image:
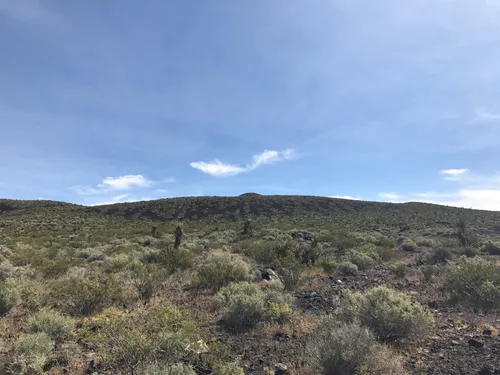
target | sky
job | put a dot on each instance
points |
(123, 100)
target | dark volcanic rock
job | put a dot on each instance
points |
(476, 343)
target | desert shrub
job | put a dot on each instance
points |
(469, 251)
(96, 256)
(383, 241)
(390, 315)
(408, 245)
(260, 251)
(220, 269)
(31, 352)
(18, 291)
(341, 348)
(399, 269)
(173, 259)
(359, 259)
(475, 282)
(86, 293)
(348, 268)
(55, 325)
(228, 369)
(125, 346)
(491, 248)
(146, 279)
(165, 369)
(385, 253)
(383, 361)
(425, 242)
(428, 271)
(438, 255)
(290, 273)
(247, 304)
(343, 240)
(329, 265)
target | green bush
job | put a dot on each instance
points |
(18, 291)
(55, 325)
(359, 259)
(475, 282)
(491, 248)
(220, 269)
(228, 369)
(329, 265)
(428, 271)
(164, 369)
(86, 293)
(390, 315)
(399, 269)
(439, 255)
(348, 268)
(31, 352)
(385, 253)
(173, 259)
(469, 251)
(290, 273)
(408, 245)
(146, 279)
(341, 348)
(247, 304)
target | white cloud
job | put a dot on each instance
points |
(454, 174)
(476, 191)
(343, 197)
(391, 197)
(111, 200)
(218, 169)
(125, 182)
(483, 115)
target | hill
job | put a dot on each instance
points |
(225, 285)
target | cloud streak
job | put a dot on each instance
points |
(125, 182)
(219, 169)
(478, 191)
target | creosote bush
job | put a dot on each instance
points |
(362, 261)
(18, 291)
(220, 269)
(55, 325)
(88, 291)
(348, 349)
(146, 279)
(348, 268)
(390, 315)
(30, 354)
(166, 369)
(408, 245)
(474, 282)
(491, 248)
(246, 304)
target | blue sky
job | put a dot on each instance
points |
(120, 100)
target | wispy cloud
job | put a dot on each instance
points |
(124, 198)
(479, 191)
(453, 174)
(343, 197)
(391, 197)
(125, 182)
(127, 188)
(483, 115)
(218, 169)
(30, 11)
